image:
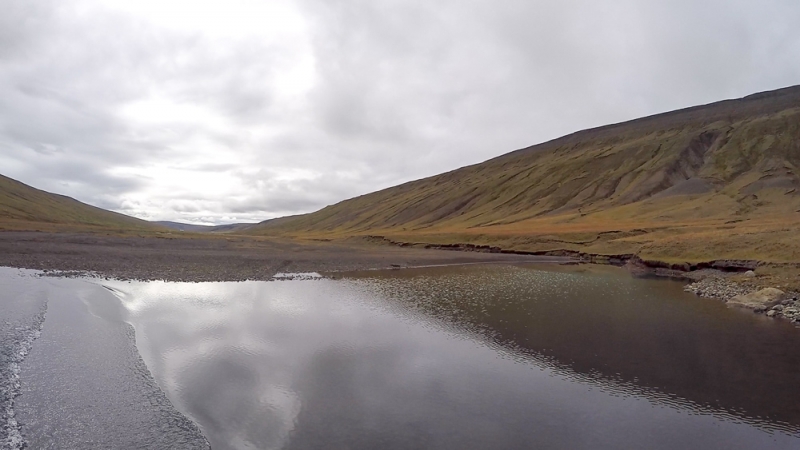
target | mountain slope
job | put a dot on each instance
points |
(23, 207)
(690, 170)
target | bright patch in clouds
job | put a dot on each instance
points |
(272, 19)
(164, 111)
(219, 111)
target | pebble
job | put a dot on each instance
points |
(719, 288)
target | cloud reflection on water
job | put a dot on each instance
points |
(364, 363)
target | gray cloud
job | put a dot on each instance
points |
(186, 123)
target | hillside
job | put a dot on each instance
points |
(23, 207)
(712, 181)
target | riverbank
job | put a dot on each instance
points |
(785, 305)
(722, 279)
(633, 263)
(204, 258)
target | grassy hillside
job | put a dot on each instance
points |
(708, 182)
(26, 208)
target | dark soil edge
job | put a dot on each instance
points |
(634, 263)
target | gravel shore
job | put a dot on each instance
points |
(725, 289)
(240, 258)
(217, 258)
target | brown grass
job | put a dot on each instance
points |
(712, 182)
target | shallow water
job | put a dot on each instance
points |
(21, 317)
(467, 357)
(70, 375)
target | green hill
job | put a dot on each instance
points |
(712, 181)
(23, 207)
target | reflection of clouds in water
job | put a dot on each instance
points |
(236, 343)
(287, 307)
(353, 363)
(241, 402)
(138, 296)
(320, 356)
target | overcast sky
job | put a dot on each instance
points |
(237, 110)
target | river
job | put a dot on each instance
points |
(450, 357)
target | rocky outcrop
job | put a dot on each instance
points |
(758, 301)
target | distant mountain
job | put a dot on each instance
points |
(232, 227)
(184, 226)
(25, 207)
(204, 228)
(715, 180)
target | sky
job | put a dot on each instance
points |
(216, 112)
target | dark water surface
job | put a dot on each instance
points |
(468, 358)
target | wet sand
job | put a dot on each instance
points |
(78, 381)
(218, 258)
